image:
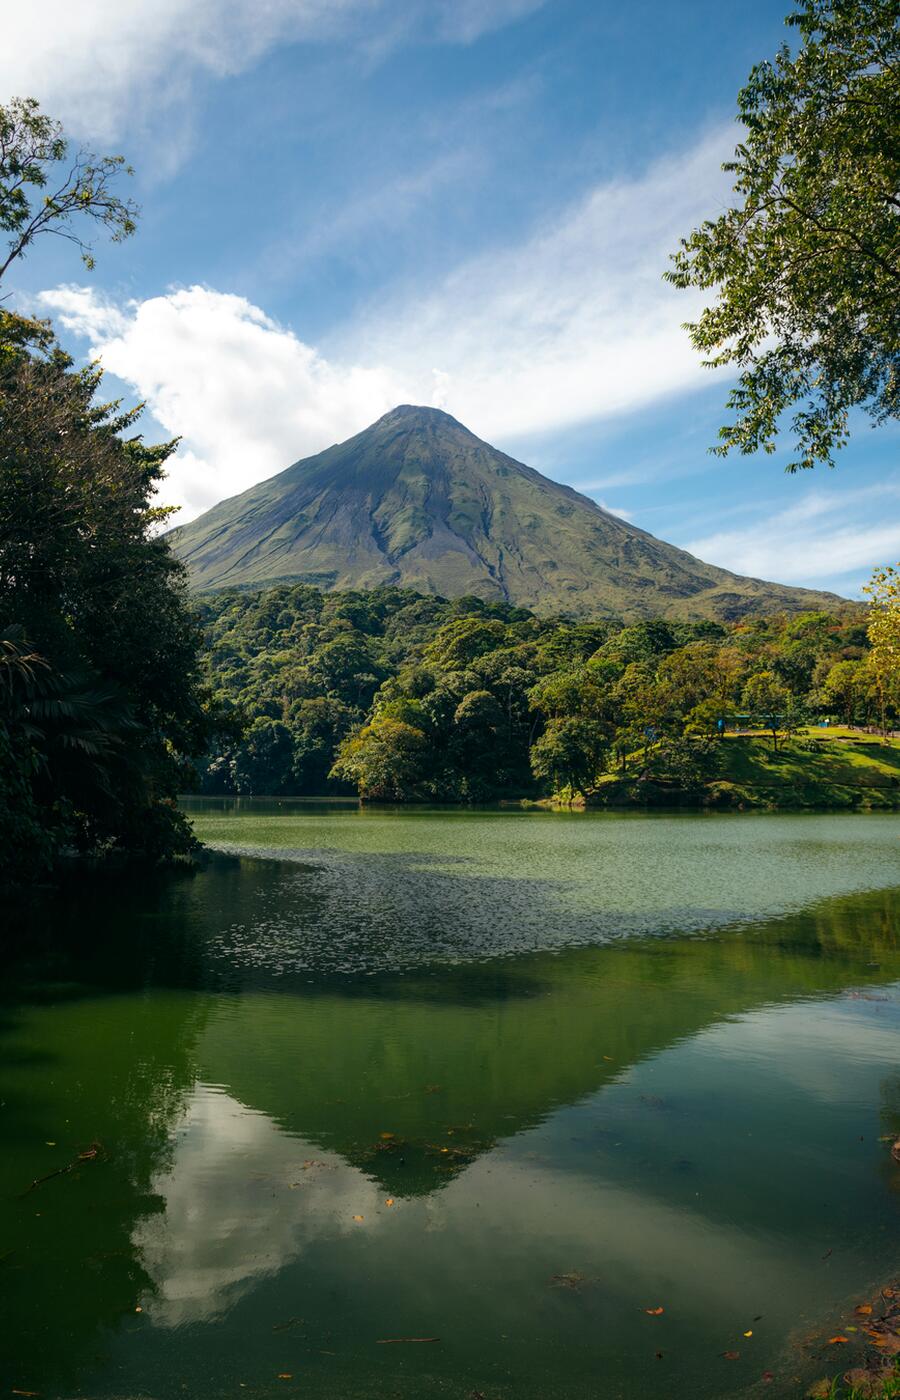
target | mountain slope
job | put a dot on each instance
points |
(419, 501)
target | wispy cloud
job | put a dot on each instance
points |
(574, 322)
(571, 324)
(106, 66)
(826, 534)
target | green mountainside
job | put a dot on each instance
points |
(418, 501)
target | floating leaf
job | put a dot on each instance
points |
(863, 1309)
(731, 1355)
(389, 1201)
(834, 1341)
(749, 1334)
(285, 1375)
(654, 1312)
(357, 1217)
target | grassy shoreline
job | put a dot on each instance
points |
(817, 770)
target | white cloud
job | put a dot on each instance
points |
(572, 324)
(105, 66)
(825, 534)
(246, 396)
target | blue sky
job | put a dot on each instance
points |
(353, 203)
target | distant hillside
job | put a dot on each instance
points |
(418, 501)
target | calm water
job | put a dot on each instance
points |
(501, 1079)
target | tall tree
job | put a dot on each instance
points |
(100, 699)
(883, 590)
(806, 263)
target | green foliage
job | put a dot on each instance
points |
(569, 754)
(99, 682)
(806, 263)
(468, 701)
(35, 154)
(884, 640)
(387, 760)
(767, 701)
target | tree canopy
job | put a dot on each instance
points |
(462, 700)
(805, 264)
(100, 690)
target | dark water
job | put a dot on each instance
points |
(502, 1079)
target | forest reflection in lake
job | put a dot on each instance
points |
(511, 1116)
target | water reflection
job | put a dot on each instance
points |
(241, 1200)
(568, 1136)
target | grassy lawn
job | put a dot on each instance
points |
(818, 767)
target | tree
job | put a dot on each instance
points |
(767, 701)
(806, 263)
(569, 754)
(263, 763)
(387, 760)
(843, 687)
(102, 600)
(884, 639)
(34, 152)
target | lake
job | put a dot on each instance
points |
(427, 1102)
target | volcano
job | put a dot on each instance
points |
(420, 502)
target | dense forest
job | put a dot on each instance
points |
(398, 696)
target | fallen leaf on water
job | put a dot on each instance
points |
(654, 1312)
(384, 1136)
(285, 1375)
(731, 1355)
(139, 1309)
(863, 1309)
(389, 1201)
(749, 1334)
(357, 1217)
(833, 1341)
(25, 1392)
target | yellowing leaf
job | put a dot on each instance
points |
(749, 1334)
(389, 1201)
(833, 1341)
(654, 1312)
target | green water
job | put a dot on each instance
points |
(597, 1064)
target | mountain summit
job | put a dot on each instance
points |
(419, 501)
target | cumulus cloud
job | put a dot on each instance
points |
(246, 395)
(571, 324)
(827, 533)
(104, 65)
